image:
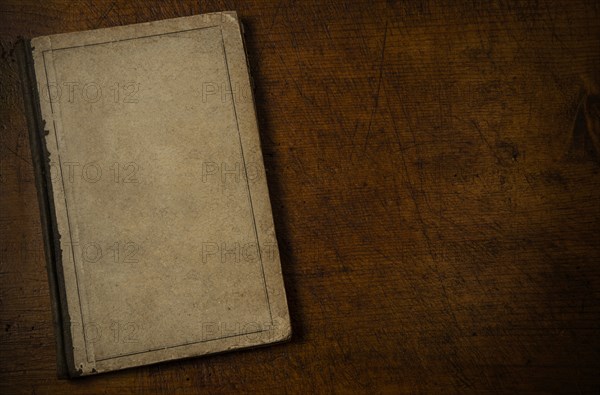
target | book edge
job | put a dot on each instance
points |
(40, 161)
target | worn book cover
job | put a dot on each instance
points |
(156, 214)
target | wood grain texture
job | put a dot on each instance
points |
(434, 169)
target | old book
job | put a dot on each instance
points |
(156, 214)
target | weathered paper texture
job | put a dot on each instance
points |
(161, 202)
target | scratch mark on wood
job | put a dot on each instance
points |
(376, 105)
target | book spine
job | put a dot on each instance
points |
(41, 164)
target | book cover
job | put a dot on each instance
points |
(157, 221)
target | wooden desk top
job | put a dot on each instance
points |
(434, 171)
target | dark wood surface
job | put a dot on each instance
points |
(434, 174)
